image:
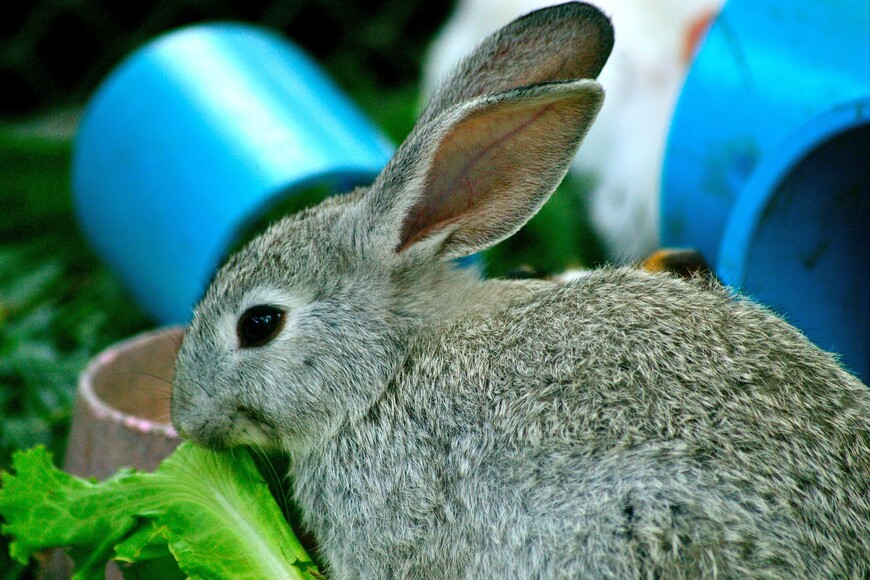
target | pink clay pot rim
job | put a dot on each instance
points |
(102, 410)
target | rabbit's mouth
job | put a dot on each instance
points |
(208, 435)
(241, 426)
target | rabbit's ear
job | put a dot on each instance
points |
(565, 42)
(480, 170)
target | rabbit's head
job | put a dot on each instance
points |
(302, 329)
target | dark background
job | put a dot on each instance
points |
(54, 52)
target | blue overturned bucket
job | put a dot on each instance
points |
(195, 136)
(767, 168)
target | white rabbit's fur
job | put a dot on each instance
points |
(624, 150)
(627, 424)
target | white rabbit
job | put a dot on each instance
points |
(625, 148)
(627, 424)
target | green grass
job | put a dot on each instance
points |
(58, 306)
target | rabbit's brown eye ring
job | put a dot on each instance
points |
(259, 325)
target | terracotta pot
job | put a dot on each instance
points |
(121, 416)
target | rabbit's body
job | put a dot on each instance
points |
(564, 436)
(625, 424)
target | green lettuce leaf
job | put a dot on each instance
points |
(203, 514)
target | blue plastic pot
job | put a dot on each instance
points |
(194, 136)
(767, 169)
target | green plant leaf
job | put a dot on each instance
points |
(212, 511)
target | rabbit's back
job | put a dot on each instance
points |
(637, 423)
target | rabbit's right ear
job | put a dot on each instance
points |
(494, 144)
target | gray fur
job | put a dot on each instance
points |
(627, 424)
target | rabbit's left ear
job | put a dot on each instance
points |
(480, 170)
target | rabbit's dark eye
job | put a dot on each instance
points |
(258, 325)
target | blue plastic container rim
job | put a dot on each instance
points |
(758, 191)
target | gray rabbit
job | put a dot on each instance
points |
(627, 424)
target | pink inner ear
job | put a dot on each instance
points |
(484, 170)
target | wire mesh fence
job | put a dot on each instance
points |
(55, 52)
